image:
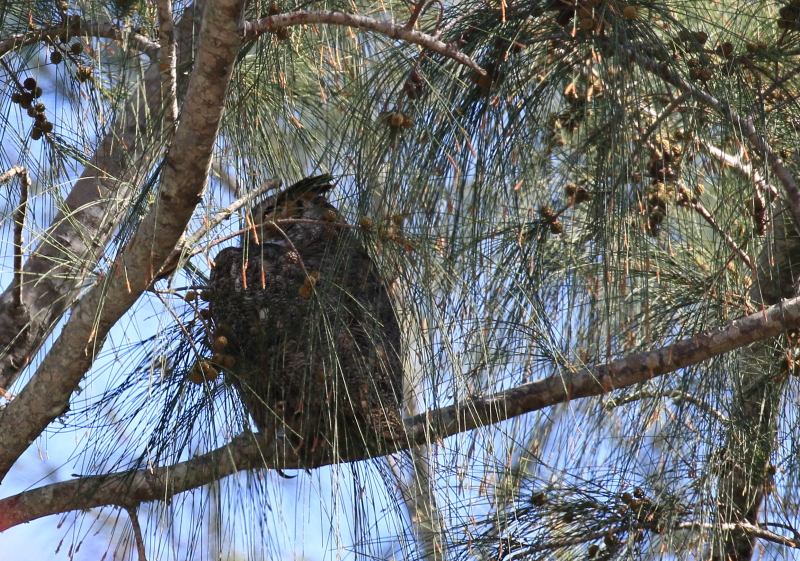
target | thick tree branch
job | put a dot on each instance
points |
(254, 29)
(81, 28)
(249, 451)
(58, 267)
(188, 162)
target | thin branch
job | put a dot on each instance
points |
(674, 394)
(254, 29)
(703, 212)
(755, 531)
(759, 183)
(416, 11)
(248, 451)
(665, 113)
(82, 28)
(186, 244)
(19, 225)
(137, 533)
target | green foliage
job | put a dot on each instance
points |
(579, 202)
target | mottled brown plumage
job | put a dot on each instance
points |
(311, 326)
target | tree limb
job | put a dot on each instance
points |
(77, 236)
(254, 29)
(250, 451)
(47, 394)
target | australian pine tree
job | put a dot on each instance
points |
(587, 216)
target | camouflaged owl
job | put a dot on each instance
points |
(310, 324)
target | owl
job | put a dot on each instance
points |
(304, 312)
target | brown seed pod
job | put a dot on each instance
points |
(630, 12)
(36, 133)
(306, 290)
(84, 73)
(56, 57)
(395, 120)
(29, 84)
(727, 49)
(329, 215)
(557, 227)
(190, 296)
(76, 48)
(594, 549)
(205, 313)
(292, 257)
(46, 127)
(283, 34)
(274, 9)
(547, 213)
(587, 24)
(408, 122)
(365, 222)
(220, 342)
(205, 296)
(228, 361)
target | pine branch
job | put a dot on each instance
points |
(254, 29)
(82, 28)
(249, 451)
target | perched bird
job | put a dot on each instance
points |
(304, 312)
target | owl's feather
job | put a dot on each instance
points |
(321, 364)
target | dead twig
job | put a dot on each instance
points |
(19, 224)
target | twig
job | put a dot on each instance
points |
(751, 529)
(187, 243)
(702, 211)
(19, 224)
(254, 29)
(416, 11)
(168, 57)
(291, 246)
(759, 183)
(674, 394)
(137, 533)
(180, 324)
(82, 28)
(453, 22)
(666, 112)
